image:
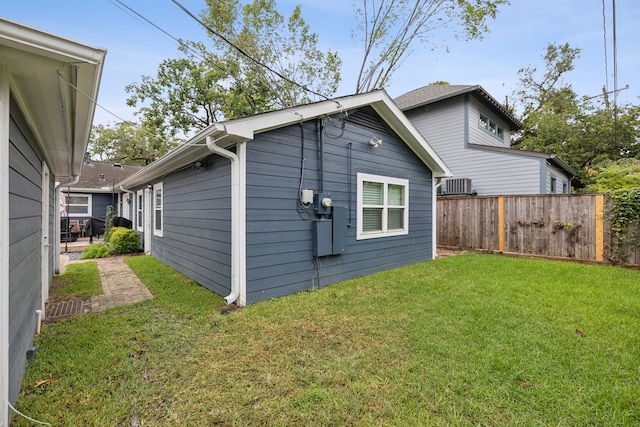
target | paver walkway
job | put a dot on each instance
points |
(120, 286)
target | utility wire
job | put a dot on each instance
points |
(606, 59)
(105, 109)
(162, 30)
(246, 54)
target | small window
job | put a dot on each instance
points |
(78, 204)
(383, 206)
(158, 217)
(565, 187)
(491, 126)
(553, 185)
(140, 210)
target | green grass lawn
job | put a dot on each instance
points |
(467, 340)
(80, 281)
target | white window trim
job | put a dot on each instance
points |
(386, 180)
(139, 211)
(68, 205)
(158, 231)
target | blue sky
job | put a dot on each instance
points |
(518, 38)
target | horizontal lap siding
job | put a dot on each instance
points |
(25, 223)
(279, 233)
(100, 202)
(443, 125)
(197, 224)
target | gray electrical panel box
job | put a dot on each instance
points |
(339, 229)
(330, 235)
(322, 237)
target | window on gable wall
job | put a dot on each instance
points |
(553, 185)
(158, 217)
(383, 206)
(491, 126)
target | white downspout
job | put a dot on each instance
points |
(56, 221)
(238, 219)
(435, 183)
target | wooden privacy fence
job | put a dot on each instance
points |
(566, 226)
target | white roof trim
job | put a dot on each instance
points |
(245, 128)
(47, 72)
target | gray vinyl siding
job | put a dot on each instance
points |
(100, 202)
(492, 173)
(502, 173)
(442, 125)
(560, 176)
(197, 224)
(279, 234)
(478, 135)
(25, 233)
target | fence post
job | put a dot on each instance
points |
(599, 217)
(501, 223)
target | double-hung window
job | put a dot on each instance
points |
(383, 206)
(158, 217)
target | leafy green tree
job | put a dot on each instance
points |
(266, 62)
(623, 174)
(583, 131)
(128, 143)
(387, 30)
(549, 91)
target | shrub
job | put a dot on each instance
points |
(124, 240)
(108, 224)
(98, 250)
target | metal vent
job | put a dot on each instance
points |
(457, 186)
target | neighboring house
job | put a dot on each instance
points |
(95, 191)
(45, 122)
(471, 132)
(294, 199)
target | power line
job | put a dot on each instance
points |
(606, 59)
(245, 54)
(105, 109)
(162, 30)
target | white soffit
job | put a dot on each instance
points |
(49, 78)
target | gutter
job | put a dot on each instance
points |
(238, 217)
(56, 221)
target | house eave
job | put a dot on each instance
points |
(244, 129)
(475, 90)
(65, 73)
